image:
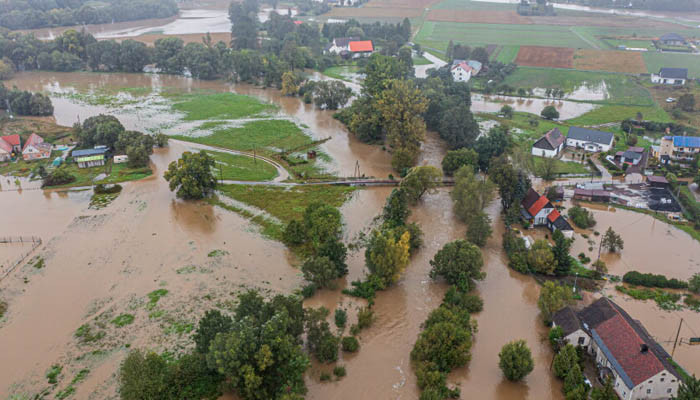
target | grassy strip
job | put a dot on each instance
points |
(219, 106)
(665, 300)
(120, 173)
(267, 136)
(342, 71)
(562, 167)
(241, 168)
(421, 61)
(655, 61)
(616, 113)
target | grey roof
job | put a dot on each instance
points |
(631, 155)
(562, 224)
(88, 152)
(551, 140)
(674, 73)
(567, 319)
(344, 41)
(672, 37)
(589, 135)
(598, 312)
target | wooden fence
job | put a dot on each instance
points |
(35, 242)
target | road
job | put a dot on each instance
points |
(422, 70)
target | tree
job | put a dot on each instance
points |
(581, 217)
(481, 55)
(143, 376)
(686, 102)
(244, 24)
(322, 343)
(402, 106)
(553, 297)
(420, 180)
(59, 176)
(612, 241)
(694, 283)
(459, 263)
(331, 95)
(319, 271)
(564, 361)
(456, 159)
(191, 176)
(550, 112)
(446, 339)
(547, 168)
(515, 360)
(471, 194)
(492, 146)
(212, 323)
(458, 127)
(573, 379)
(386, 257)
(322, 223)
(201, 61)
(556, 335)
(168, 55)
(507, 111)
(561, 249)
(396, 210)
(689, 389)
(479, 228)
(607, 392)
(6, 70)
(103, 130)
(291, 83)
(541, 259)
(133, 56)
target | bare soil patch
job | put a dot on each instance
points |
(151, 38)
(479, 17)
(630, 62)
(540, 56)
(374, 12)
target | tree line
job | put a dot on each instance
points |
(31, 14)
(22, 102)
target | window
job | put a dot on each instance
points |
(648, 391)
(662, 379)
(581, 340)
(668, 390)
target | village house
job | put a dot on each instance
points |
(14, 142)
(361, 48)
(5, 151)
(463, 70)
(339, 45)
(589, 140)
(35, 148)
(539, 211)
(90, 157)
(623, 350)
(672, 39)
(681, 149)
(631, 156)
(549, 145)
(670, 76)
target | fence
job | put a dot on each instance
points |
(35, 241)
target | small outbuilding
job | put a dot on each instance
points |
(121, 159)
(657, 181)
(88, 158)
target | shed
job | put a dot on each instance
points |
(601, 196)
(657, 181)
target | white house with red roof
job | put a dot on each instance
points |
(461, 71)
(35, 148)
(539, 211)
(361, 48)
(9, 145)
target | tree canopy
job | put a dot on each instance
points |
(459, 263)
(191, 176)
(515, 360)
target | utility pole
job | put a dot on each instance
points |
(675, 342)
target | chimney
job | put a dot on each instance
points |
(644, 348)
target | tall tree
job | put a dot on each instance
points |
(420, 180)
(459, 263)
(689, 389)
(471, 193)
(553, 297)
(515, 360)
(386, 257)
(612, 241)
(561, 249)
(191, 176)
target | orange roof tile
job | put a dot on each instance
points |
(538, 206)
(361, 46)
(553, 216)
(13, 140)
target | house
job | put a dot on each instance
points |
(670, 76)
(90, 157)
(5, 151)
(461, 72)
(14, 142)
(657, 181)
(35, 148)
(339, 45)
(589, 140)
(476, 66)
(631, 157)
(680, 149)
(593, 195)
(539, 211)
(550, 144)
(622, 348)
(673, 39)
(361, 48)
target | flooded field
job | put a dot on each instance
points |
(567, 109)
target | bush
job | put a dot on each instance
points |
(341, 318)
(325, 377)
(515, 360)
(102, 189)
(470, 302)
(365, 318)
(339, 371)
(581, 217)
(350, 344)
(652, 280)
(59, 176)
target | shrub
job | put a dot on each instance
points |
(350, 344)
(341, 318)
(339, 371)
(365, 318)
(515, 360)
(652, 280)
(582, 217)
(102, 189)
(470, 302)
(325, 377)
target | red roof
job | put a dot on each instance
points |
(298, 22)
(553, 216)
(538, 206)
(13, 140)
(361, 46)
(33, 139)
(625, 345)
(5, 146)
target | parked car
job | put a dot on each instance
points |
(587, 381)
(670, 100)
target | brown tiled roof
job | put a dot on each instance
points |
(567, 319)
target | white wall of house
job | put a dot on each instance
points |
(4, 156)
(460, 75)
(547, 153)
(575, 338)
(661, 386)
(588, 146)
(541, 217)
(338, 49)
(32, 153)
(666, 81)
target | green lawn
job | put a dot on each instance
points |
(562, 167)
(622, 89)
(614, 113)
(219, 106)
(342, 72)
(655, 61)
(267, 136)
(438, 34)
(639, 44)
(472, 5)
(421, 61)
(241, 168)
(120, 173)
(506, 54)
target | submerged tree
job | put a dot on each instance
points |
(515, 360)
(459, 263)
(612, 241)
(191, 176)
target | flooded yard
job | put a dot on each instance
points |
(493, 104)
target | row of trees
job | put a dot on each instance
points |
(31, 14)
(22, 102)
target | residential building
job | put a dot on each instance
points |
(35, 148)
(361, 48)
(589, 140)
(680, 149)
(14, 142)
(623, 350)
(631, 156)
(339, 45)
(673, 39)
(539, 211)
(5, 151)
(461, 72)
(90, 157)
(549, 145)
(670, 76)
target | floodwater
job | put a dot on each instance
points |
(493, 104)
(585, 92)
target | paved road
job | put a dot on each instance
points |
(422, 70)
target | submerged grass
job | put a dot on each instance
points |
(219, 106)
(241, 168)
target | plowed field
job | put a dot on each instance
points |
(629, 62)
(540, 56)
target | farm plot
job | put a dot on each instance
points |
(478, 17)
(438, 34)
(655, 61)
(614, 43)
(383, 13)
(415, 4)
(628, 62)
(540, 56)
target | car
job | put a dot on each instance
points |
(587, 381)
(670, 100)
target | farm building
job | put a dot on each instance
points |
(539, 211)
(672, 39)
(339, 45)
(14, 142)
(90, 157)
(35, 148)
(589, 140)
(657, 181)
(593, 195)
(550, 144)
(461, 72)
(362, 48)
(623, 349)
(670, 76)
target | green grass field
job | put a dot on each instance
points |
(342, 72)
(506, 54)
(421, 61)
(655, 61)
(622, 89)
(614, 113)
(241, 168)
(219, 106)
(267, 136)
(438, 34)
(561, 167)
(639, 44)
